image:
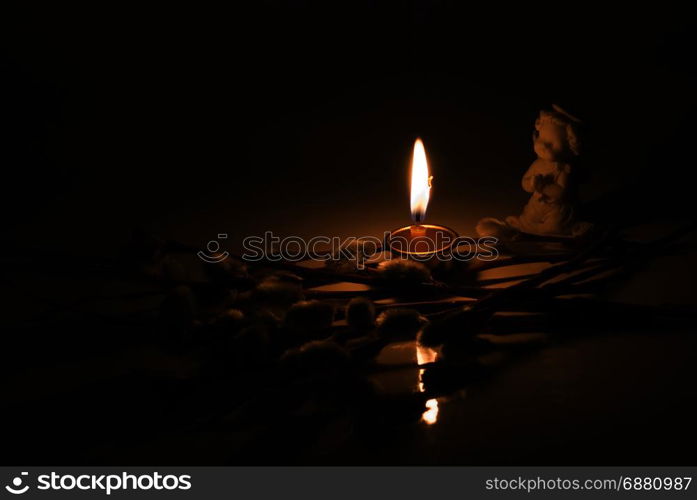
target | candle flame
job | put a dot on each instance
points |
(420, 182)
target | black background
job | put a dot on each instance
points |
(299, 117)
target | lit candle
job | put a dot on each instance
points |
(420, 239)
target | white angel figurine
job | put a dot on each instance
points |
(552, 181)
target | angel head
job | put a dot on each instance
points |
(556, 135)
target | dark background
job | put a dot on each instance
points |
(299, 118)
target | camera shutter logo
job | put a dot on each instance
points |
(16, 488)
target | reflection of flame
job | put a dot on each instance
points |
(427, 355)
(420, 183)
(430, 416)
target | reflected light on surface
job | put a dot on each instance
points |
(427, 355)
(430, 416)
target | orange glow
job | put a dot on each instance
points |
(426, 355)
(420, 182)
